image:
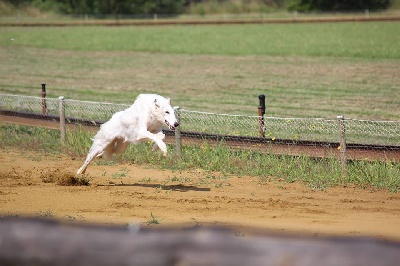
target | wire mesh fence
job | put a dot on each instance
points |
(296, 130)
(295, 136)
(92, 111)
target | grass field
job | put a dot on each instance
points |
(305, 70)
(364, 40)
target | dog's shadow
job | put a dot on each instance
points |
(178, 187)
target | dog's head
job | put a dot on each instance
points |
(165, 113)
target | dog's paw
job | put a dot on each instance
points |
(163, 148)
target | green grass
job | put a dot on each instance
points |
(305, 70)
(153, 220)
(318, 174)
(294, 86)
(361, 40)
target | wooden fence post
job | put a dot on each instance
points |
(342, 147)
(62, 119)
(178, 137)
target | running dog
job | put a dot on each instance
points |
(140, 122)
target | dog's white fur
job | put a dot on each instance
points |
(140, 122)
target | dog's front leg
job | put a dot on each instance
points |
(161, 136)
(157, 138)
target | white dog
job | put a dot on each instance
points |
(142, 121)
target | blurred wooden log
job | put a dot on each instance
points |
(44, 242)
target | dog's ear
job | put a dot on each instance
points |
(156, 104)
(169, 101)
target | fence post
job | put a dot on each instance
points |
(342, 147)
(261, 112)
(44, 106)
(367, 13)
(178, 137)
(62, 119)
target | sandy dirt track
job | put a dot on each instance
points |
(124, 193)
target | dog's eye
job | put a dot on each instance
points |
(167, 112)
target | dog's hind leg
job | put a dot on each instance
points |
(120, 146)
(109, 150)
(96, 150)
(89, 158)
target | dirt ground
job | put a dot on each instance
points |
(127, 194)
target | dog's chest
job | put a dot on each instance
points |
(154, 128)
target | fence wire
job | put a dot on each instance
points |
(310, 129)
(373, 132)
(294, 132)
(296, 129)
(93, 111)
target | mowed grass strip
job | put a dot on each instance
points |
(294, 86)
(366, 40)
(305, 70)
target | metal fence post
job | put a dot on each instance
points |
(44, 106)
(261, 112)
(342, 147)
(62, 119)
(178, 137)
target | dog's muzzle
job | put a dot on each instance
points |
(172, 127)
